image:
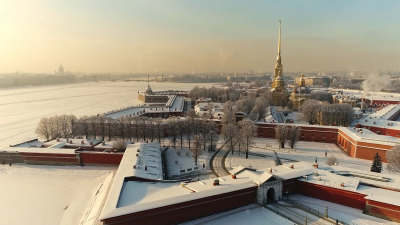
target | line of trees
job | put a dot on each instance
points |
(134, 128)
(326, 114)
(286, 133)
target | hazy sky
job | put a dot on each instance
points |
(199, 36)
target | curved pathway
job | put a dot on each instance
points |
(217, 162)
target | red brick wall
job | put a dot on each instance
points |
(190, 210)
(44, 157)
(383, 210)
(101, 158)
(343, 197)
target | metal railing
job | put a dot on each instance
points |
(282, 215)
(315, 212)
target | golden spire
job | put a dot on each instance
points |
(279, 45)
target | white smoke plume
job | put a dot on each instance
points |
(374, 83)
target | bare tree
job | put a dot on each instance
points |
(280, 135)
(229, 113)
(110, 127)
(93, 124)
(158, 128)
(293, 136)
(119, 145)
(393, 159)
(43, 129)
(229, 131)
(309, 110)
(248, 130)
(197, 149)
(102, 126)
(191, 113)
(121, 121)
(172, 129)
(84, 125)
(54, 127)
(260, 108)
(331, 160)
(73, 125)
(64, 125)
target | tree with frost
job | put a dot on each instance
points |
(393, 159)
(309, 110)
(212, 137)
(376, 164)
(290, 105)
(64, 125)
(120, 121)
(332, 160)
(245, 104)
(280, 135)
(197, 149)
(228, 115)
(248, 130)
(93, 125)
(84, 125)
(229, 131)
(73, 124)
(158, 123)
(119, 145)
(43, 129)
(260, 108)
(293, 136)
(191, 113)
(110, 127)
(102, 126)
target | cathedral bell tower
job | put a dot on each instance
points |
(278, 84)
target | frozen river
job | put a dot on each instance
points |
(22, 108)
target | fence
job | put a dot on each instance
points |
(282, 215)
(315, 212)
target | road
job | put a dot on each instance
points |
(218, 163)
(297, 214)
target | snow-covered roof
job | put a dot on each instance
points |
(174, 104)
(108, 145)
(72, 142)
(285, 172)
(380, 195)
(369, 136)
(326, 178)
(41, 150)
(34, 143)
(386, 112)
(262, 178)
(382, 98)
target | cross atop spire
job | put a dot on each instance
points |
(279, 45)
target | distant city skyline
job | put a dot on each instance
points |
(199, 36)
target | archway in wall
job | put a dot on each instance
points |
(270, 195)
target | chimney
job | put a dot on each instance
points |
(233, 176)
(91, 143)
(70, 141)
(145, 167)
(58, 139)
(216, 182)
(82, 142)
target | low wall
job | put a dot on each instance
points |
(51, 159)
(190, 210)
(382, 210)
(100, 158)
(339, 196)
(8, 157)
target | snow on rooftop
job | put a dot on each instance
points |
(369, 136)
(108, 145)
(326, 178)
(34, 143)
(73, 142)
(262, 178)
(380, 195)
(285, 172)
(42, 150)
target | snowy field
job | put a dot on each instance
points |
(48, 195)
(343, 213)
(184, 161)
(22, 108)
(252, 214)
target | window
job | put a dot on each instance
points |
(323, 136)
(302, 134)
(388, 133)
(397, 134)
(312, 135)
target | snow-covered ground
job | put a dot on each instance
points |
(304, 152)
(178, 160)
(340, 212)
(22, 108)
(41, 195)
(251, 214)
